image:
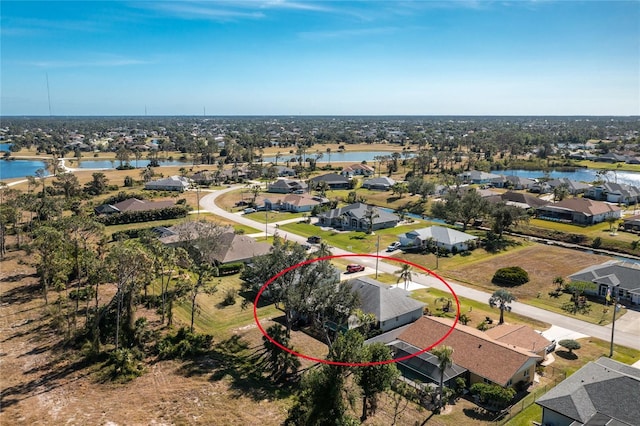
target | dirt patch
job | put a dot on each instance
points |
(543, 263)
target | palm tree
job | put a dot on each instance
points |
(329, 155)
(501, 298)
(277, 156)
(445, 360)
(324, 250)
(405, 274)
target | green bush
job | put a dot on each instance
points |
(124, 364)
(184, 344)
(230, 268)
(493, 394)
(597, 242)
(510, 276)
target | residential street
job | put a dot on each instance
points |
(627, 329)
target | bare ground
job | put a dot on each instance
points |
(542, 262)
(44, 383)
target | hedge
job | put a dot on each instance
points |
(230, 268)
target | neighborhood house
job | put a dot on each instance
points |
(392, 306)
(380, 183)
(478, 357)
(287, 186)
(580, 211)
(131, 205)
(294, 203)
(620, 278)
(443, 237)
(173, 183)
(358, 217)
(604, 392)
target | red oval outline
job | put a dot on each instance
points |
(353, 364)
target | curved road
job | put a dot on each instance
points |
(627, 332)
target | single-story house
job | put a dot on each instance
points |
(518, 199)
(230, 247)
(392, 306)
(133, 204)
(477, 177)
(381, 183)
(172, 183)
(358, 217)
(485, 359)
(580, 211)
(521, 336)
(513, 182)
(286, 186)
(611, 157)
(204, 177)
(574, 187)
(282, 171)
(615, 193)
(631, 223)
(357, 170)
(602, 392)
(442, 236)
(622, 278)
(294, 202)
(334, 180)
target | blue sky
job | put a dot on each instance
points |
(284, 57)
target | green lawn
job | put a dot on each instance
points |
(273, 216)
(218, 320)
(475, 310)
(357, 242)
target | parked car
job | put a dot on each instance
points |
(314, 239)
(250, 210)
(306, 246)
(354, 267)
(394, 246)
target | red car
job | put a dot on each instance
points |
(354, 267)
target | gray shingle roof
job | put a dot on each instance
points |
(359, 210)
(613, 272)
(383, 301)
(605, 389)
(442, 234)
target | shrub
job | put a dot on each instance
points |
(124, 364)
(493, 394)
(230, 268)
(230, 297)
(483, 326)
(510, 276)
(184, 344)
(597, 242)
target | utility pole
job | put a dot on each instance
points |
(613, 323)
(377, 254)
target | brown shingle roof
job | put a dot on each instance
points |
(586, 206)
(134, 205)
(472, 349)
(519, 335)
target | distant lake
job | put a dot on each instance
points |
(336, 157)
(22, 168)
(581, 175)
(4, 147)
(19, 168)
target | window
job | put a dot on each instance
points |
(486, 381)
(510, 382)
(526, 373)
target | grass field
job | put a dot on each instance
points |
(357, 242)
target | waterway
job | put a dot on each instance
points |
(581, 175)
(336, 157)
(22, 168)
